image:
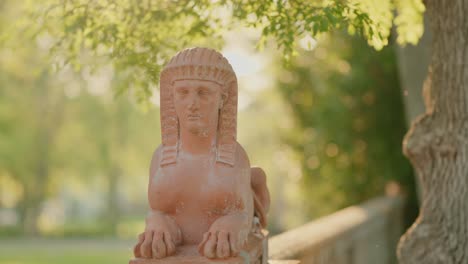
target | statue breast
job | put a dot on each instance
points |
(194, 188)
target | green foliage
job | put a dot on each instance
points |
(62, 133)
(349, 122)
(30, 114)
(55, 132)
(138, 37)
(70, 256)
(409, 21)
(63, 251)
(288, 21)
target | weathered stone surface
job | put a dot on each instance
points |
(253, 254)
(202, 191)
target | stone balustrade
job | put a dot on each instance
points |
(362, 234)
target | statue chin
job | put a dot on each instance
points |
(198, 130)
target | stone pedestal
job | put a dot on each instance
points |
(284, 262)
(254, 253)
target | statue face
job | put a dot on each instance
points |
(197, 105)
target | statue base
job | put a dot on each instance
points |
(254, 253)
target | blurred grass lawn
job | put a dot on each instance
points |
(70, 251)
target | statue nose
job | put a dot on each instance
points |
(194, 103)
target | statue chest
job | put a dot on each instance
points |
(196, 188)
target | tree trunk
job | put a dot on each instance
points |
(115, 146)
(113, 207)
(437, 144)
(49, 108)
(36, 186)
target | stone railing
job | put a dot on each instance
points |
(362, 234)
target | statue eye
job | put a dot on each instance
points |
(202, 92)
(182, 91)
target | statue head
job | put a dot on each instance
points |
(207, 74)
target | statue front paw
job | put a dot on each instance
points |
(160, 237)
(154, 244)
(220, 244)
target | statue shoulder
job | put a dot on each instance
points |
(242, 156)
(155, 160)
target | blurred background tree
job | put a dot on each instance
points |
(64, 143)
(70, 147)
(29, 132)
(138, 37)
(349, 123)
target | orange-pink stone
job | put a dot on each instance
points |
(206, 201)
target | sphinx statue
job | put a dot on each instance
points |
(202, 192)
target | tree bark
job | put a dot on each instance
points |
(437, 144)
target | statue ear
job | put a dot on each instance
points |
(221, 103)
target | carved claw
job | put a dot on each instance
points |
(154, 244)
(160, 237)
(219, 244)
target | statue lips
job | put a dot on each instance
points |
(193, 117)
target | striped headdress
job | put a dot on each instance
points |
(199, 64)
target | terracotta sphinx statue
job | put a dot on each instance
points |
(202, 191)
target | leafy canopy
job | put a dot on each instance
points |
(138, 37)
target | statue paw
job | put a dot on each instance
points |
(219, 244)
(154, 244)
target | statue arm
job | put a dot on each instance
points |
(245, 187)
(155, 216)
(161, 233)
(261, 194)
(228, 234)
